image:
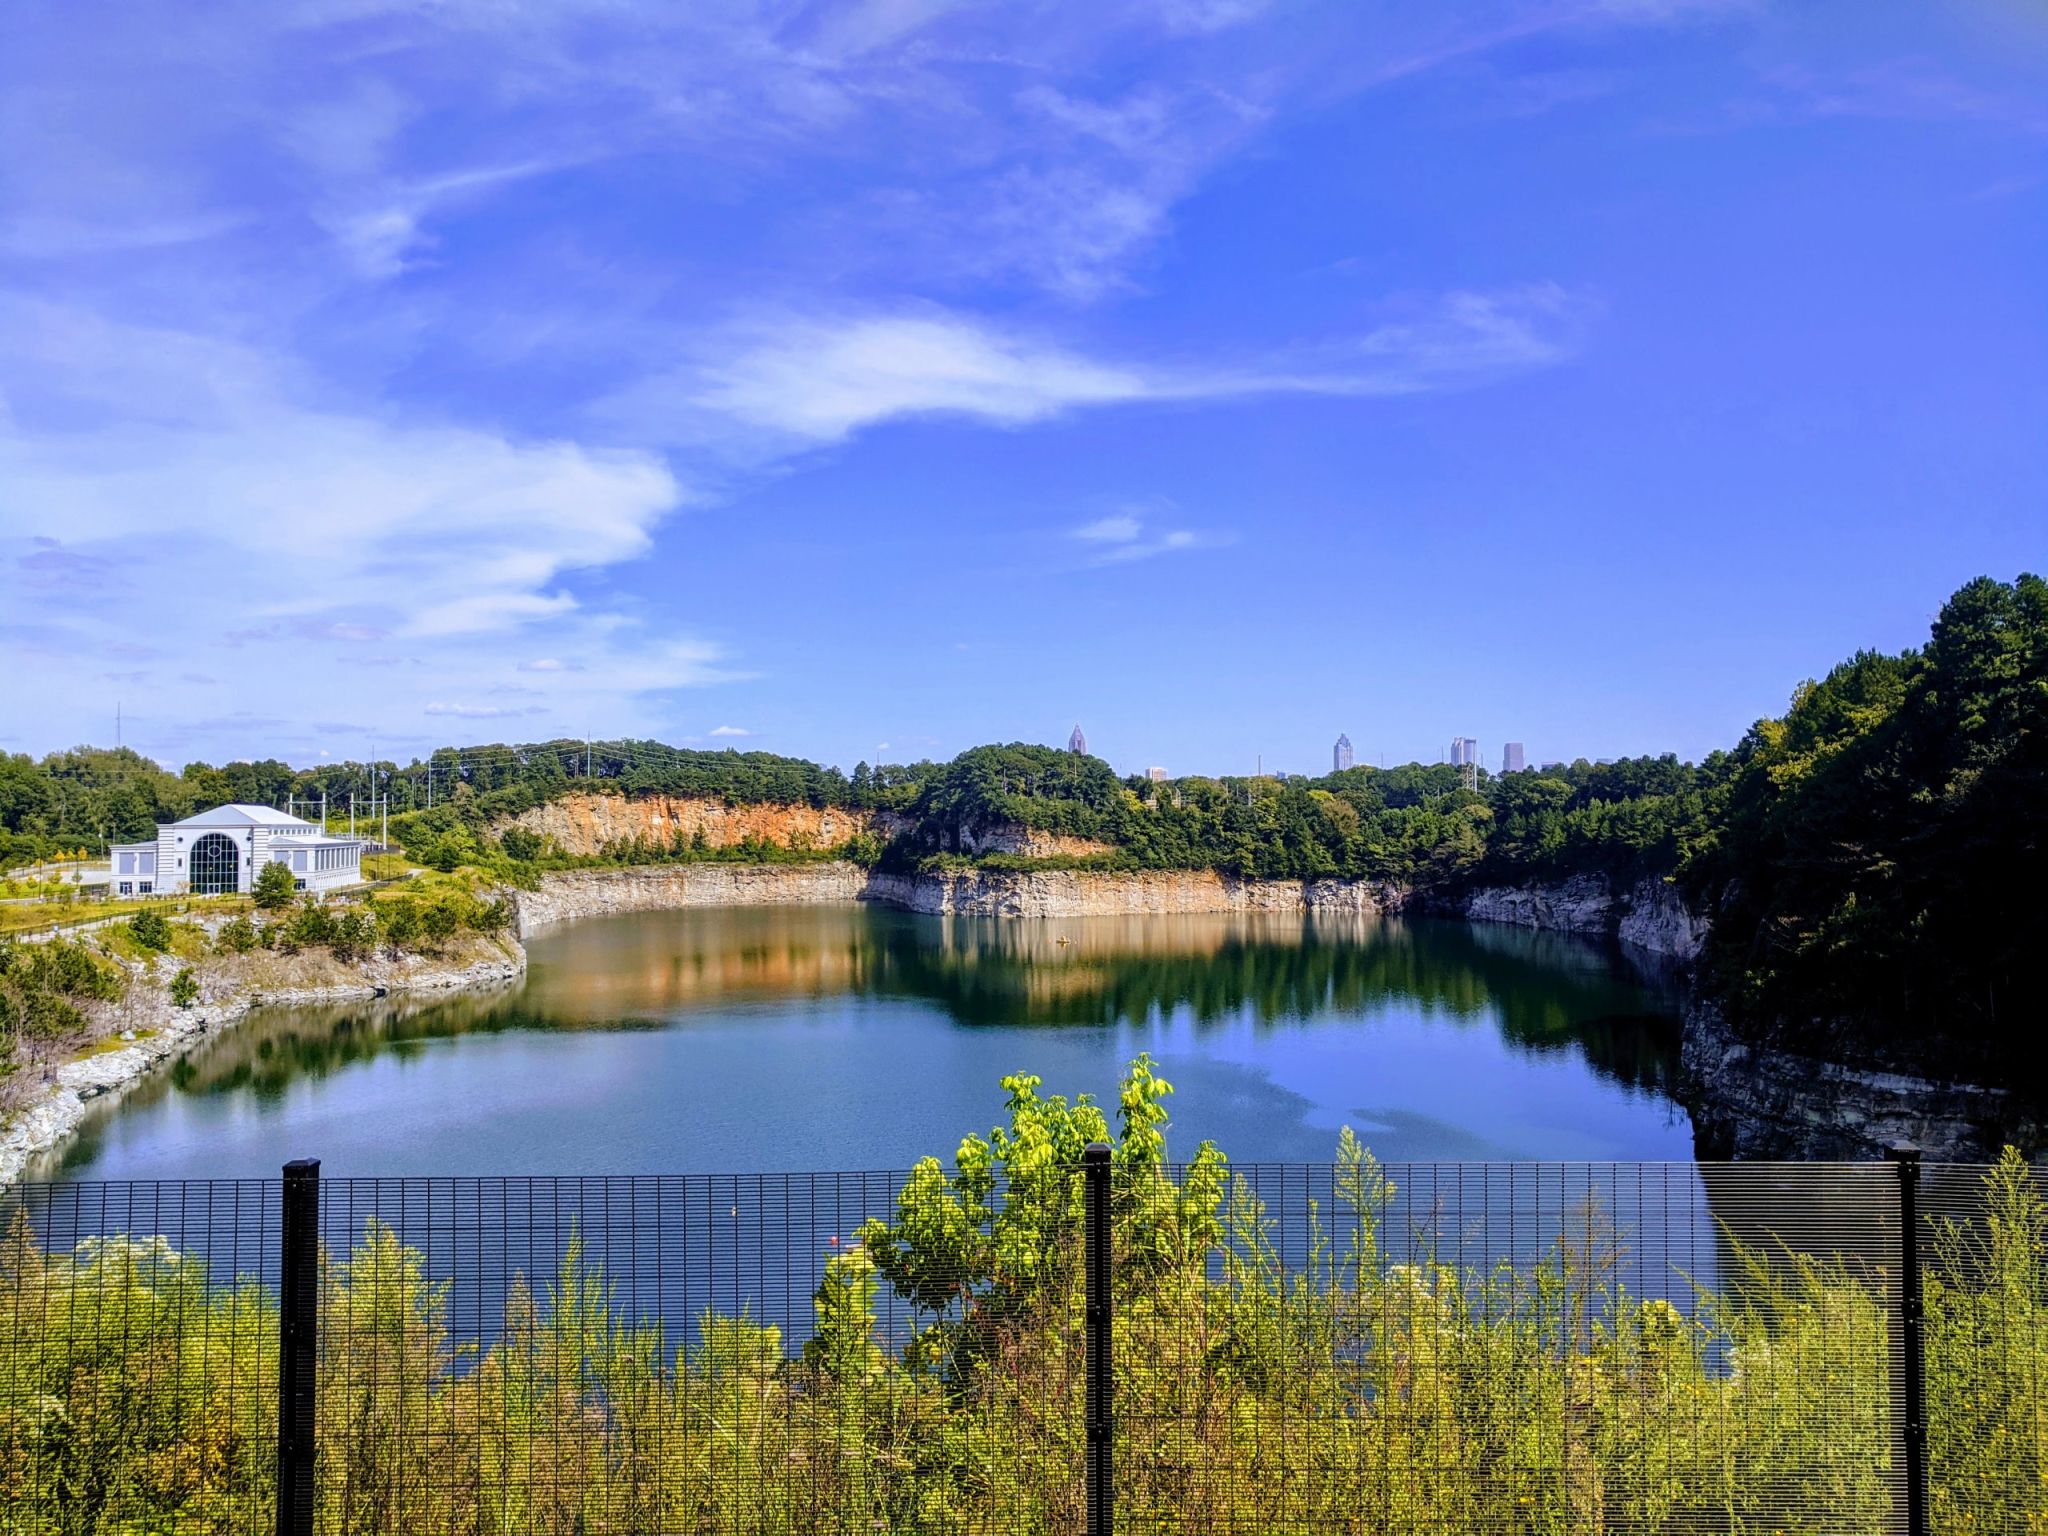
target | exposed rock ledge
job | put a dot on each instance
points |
(1750, 1100)
(1649, 915)
(1044, 893)
(161, 1031)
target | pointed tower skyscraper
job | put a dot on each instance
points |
(1077, 743)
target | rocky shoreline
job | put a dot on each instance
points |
(1746, 1100)
(155, 1031)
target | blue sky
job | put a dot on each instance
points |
(872, 380)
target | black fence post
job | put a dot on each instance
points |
(1100, 1317)
(298, 1337)
(1911, 1314)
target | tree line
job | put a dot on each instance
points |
(1875, 853)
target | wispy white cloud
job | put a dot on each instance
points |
(805, 381)
(478, 711)
(1131, 535)
(730, 730)
(1120, 528)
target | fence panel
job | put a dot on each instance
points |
(699, 1354)
(1509, 1347)
(1455, 1347)
(139, 1357)
(1984, 1259)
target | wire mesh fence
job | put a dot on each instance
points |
(1251, 1349)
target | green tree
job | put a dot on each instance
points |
(275, 887)
(184, 989)
(151, 930)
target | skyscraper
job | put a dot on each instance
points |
(1340, 755)
(1464, 750)
(1156, 775)
(1511, 758)
(1077, 743)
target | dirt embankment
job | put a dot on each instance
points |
(585, 824)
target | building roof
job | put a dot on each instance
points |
(243, 816)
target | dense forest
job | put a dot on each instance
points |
(1874, 853)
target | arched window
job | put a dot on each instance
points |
(215, 866)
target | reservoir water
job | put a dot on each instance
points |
(788, 1038)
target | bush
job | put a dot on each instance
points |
(237, 936)
(152, 930)
(311, 924)
(41, 986)
(276, 887)
(493, 916)
(522, 843)
(354, 933)
(400, 921)
(441, 918)
(184, 989)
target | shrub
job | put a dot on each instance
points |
(522, 843)
(184, 989)
(354, 932)
(493, 916)
(441, 918)
(151, 930)
(311, 924)
(275, 887)
(400, 920)
(41, 986)
(237, 936)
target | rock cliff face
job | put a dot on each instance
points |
(1048, 893)
(1070, 893)
(659, 888)
(1750, 1100)
(1026, 841)
(1650, 914)
(583, 824)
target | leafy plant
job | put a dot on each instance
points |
(151, 930)
(275, 887)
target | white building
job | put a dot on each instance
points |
(221, 850)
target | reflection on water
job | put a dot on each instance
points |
(836, 1037)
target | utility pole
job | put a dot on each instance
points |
(586, 757)
(351, 813)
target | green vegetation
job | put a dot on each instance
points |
(274, 887)
(150, 930)
(46, 987)
(41, 988)
(1373, 1386)
(1879, 854)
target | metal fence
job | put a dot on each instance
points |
(1067, 1346)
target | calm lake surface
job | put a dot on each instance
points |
(859, 1037)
